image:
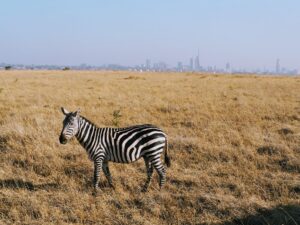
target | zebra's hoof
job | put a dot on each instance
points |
(96, 192)
(144, 189)
(161, 187)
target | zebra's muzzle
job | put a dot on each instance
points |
(62, 140)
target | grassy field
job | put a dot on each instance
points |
(234, 143)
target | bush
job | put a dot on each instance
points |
(116, 118)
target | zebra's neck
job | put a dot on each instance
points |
(86, 132)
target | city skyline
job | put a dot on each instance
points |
(193, 65)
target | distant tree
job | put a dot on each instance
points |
(66, 68)
(8, 67)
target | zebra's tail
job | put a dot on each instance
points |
(167, 158)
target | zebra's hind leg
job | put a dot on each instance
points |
(107, 174)
(149, 169)
(157, 164)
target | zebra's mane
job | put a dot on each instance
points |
(118, 128)
(87, 120)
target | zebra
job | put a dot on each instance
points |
(120, 145)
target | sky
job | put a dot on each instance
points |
(247, 33)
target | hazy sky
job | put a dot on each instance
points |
(246, 33)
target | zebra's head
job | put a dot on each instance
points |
(70, 125)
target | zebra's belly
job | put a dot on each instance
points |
(135, 153)
(125, 156)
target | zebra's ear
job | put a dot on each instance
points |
(64, 111)
(77, 112)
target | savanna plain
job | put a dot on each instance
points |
(234, 143)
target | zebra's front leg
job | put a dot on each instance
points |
(97, 168)
(107, 174)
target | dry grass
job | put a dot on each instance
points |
(234, 143)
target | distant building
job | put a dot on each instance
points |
(179, 67)
(227, 67)
(160, 66)
(191, 64)
(277, 69)
(197, 62)
(148, 64)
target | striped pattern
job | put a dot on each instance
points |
(120, 145)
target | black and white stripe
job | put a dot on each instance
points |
(120, 145)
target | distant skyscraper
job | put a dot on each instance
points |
(191, 63)
(162, 66)
(179, 67)
(227, 67)
(197, 63)
(148, 64)
(277, 66)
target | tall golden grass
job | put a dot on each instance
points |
(234, 145)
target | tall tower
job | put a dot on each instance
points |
(179, 67)
(277, 66)
(191, 64)
(197, 63)
(148, 64)
(228, 67)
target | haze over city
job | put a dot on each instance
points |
(247, 34)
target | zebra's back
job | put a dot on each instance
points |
(131, 143)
